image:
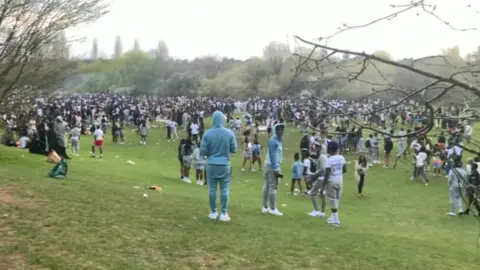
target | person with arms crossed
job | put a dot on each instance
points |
(217, 145)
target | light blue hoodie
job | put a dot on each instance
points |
(274, 150)
(218, 142)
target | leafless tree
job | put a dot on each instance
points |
(462, 79)
(27, 28)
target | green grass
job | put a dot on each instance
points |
(96, 219)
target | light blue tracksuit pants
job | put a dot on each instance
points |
(218, 175)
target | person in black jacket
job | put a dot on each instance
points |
(387, 147)
(304, 147)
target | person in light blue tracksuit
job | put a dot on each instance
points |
(217, 145)
(272, 172)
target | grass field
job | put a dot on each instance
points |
(96, 219)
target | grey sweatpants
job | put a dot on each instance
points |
(455, 199)
(315, 191)
(334, 192)
(269, 188)
(75, 146)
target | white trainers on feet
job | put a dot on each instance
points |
(276, 212)
(314, 213)
(213, 215)
(265, 210)
(224, 217)
(452, 214)
(186, 180)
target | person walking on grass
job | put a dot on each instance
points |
(186, 152)
(217, 144)
(361, 168)
(143, 132)
(297, 174)
(75, 140)
(97, 141)
(456, 176)
(272, 171)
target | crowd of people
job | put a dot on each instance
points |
(57, 123)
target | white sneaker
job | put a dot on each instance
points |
(253, 170)
(316, 214)
(333, 221)
(452, 214)
(243, 169)
(224, 217)
(276, 212)
(186, 180)
(213, 215)
(265, 210)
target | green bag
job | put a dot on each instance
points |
(60, 170)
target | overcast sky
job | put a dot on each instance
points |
(240, 29)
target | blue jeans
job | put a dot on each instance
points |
(218, 175)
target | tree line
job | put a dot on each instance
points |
(273, 74)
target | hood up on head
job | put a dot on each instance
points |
(275, 128)
(218, 119)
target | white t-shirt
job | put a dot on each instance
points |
(468, 130)
(194, 128)
(336, 163)
(238, 123)
(307, 164)
(98, 134)
(420, 159)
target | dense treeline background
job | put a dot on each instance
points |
(154, 72)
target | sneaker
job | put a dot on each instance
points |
(186, 180)
(316, 214)
(452, 214)
(213, 215)
(253, 170)
(265, 210)
(224, 217)
(243, 169)
(333, 221)
(275, 212)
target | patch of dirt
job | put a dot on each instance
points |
(14, 261)
(206, 260)
(5, 197)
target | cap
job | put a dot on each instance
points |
(332, 146)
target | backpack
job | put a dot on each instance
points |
(59, 170)
(367, 143)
